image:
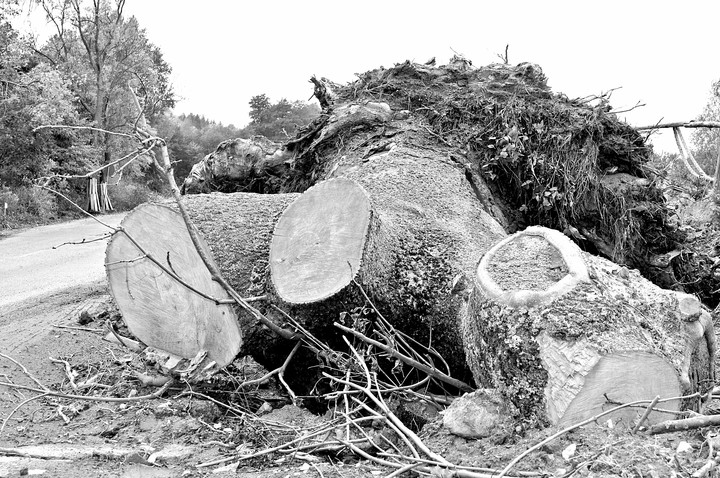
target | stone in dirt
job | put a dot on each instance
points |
(480, 414)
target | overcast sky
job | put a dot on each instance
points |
(223, 51)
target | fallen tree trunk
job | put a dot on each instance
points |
(406, 225)
(408, 228)
(562, 333)
(407, 201)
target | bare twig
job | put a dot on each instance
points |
(387, 412)
(637, 105)
(461, 468)
(85, 128)
(403, 470)
(440, 138)
(68, 371)
(278, 371)
(25, 370)
(85, 241)
(82, 329)
(82, 210)
(158, 393)
(267, 451)
(682, 124)
(7, 419)
(691, 423)
(216, 402)
(459, 384)
(646, 414)
(130, 344)
(580, 424)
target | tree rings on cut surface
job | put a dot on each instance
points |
(531, 268)
(319, 241)
(158, 309)
(624, 377)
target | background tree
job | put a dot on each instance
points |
(706, 140)
(279, 121)
(190, 137)
(32, 94)
(102, 52)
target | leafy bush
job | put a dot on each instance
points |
(10, 198)
(75, 192)
(36, 202)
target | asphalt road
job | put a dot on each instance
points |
(33, 266)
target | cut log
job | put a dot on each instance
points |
(157, 308)
(319, 242)
(162, 312)
(406, 225)
(238, 228)
(564, 335)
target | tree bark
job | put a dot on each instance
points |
(425, 224)
(561, 333)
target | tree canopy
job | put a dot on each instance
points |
(81, 76)
(31, 94)
(102, 53)
(279, 121)
(707, 140)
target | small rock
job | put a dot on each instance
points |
(85, 318)
(683, 447)
(204, 409)
(479, 414)
(568, 452)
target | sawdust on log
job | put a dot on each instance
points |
(527, 263)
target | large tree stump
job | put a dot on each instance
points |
(560, 333)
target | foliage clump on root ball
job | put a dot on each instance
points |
(544, 155)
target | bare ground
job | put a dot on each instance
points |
(83, 439)
(87, 438)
